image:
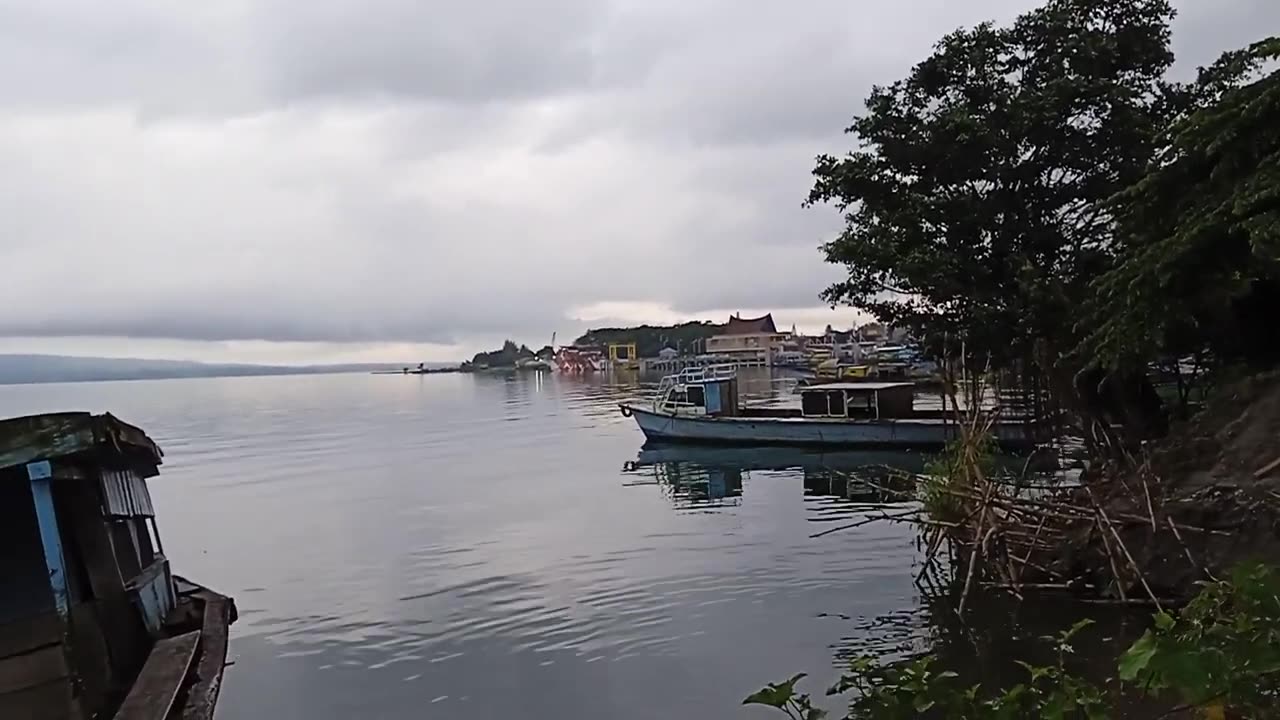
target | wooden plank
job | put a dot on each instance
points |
(51, 701)
(1266, 469)
(89, 657)
(148, 573)
(20, 672)
(126, 639)
(152, 593)
(92, 539)
(203, 696)
(153, 693)
(27, 635)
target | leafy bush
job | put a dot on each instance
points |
(1222, 653)
(1224, 649)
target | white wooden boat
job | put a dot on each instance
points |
(700, 405)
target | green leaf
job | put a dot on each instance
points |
(1055, 708)
(1137, 657)
(922, 703)
(1164, 621)
(775, 694)
(770, 696)
(1080, 625)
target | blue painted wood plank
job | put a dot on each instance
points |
(46, 517)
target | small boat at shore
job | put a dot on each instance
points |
(93, 623)
(701, 405)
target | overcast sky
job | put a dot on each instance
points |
(334, 180)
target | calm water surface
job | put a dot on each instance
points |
(456, 546)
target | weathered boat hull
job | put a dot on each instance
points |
(912, 433)
(93, 623)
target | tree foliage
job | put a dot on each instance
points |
(973, 201)
(502, 358)
(649, 339)
(1199, 267)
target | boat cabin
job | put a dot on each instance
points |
(857, 401)
(92, 621)
(708, 390)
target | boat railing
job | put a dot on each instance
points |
(697, 375)
(678, 407)
(709, 373)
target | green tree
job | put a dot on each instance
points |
(687, 337)
(1200, 263)
(505, 357)
(973, 202)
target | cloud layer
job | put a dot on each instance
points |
(408, 172)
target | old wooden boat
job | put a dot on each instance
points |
(93, 623)
(701, 405)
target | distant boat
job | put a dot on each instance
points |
(421, 369)
(534, 363)
(700, 405)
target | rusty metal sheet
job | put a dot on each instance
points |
(125, 494)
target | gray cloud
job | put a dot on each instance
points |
(436, 172)
(441, 50)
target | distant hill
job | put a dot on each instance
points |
(23, 369)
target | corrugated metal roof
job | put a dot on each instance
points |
(125, 494)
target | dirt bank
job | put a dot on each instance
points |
(1209, 494)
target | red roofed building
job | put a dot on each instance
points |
(748, 339)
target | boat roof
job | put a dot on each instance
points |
(870, 386)
(55, 435)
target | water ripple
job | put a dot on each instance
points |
(493, 547)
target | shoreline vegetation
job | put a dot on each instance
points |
(649, 340)
(508, 358)
(1044, 208)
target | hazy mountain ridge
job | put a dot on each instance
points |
(18, 369)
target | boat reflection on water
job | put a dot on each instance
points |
(690, 482)
(840, 481)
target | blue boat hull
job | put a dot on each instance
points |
(924, 433)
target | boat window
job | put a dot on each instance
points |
(835, 402)
(146, 552)
(813, 403)
(674, 400)
(126, 548)
(862, 405)
(696, 395)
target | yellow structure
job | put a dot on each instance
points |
(623, 356)
(832, 369)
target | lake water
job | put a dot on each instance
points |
(453, 546)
